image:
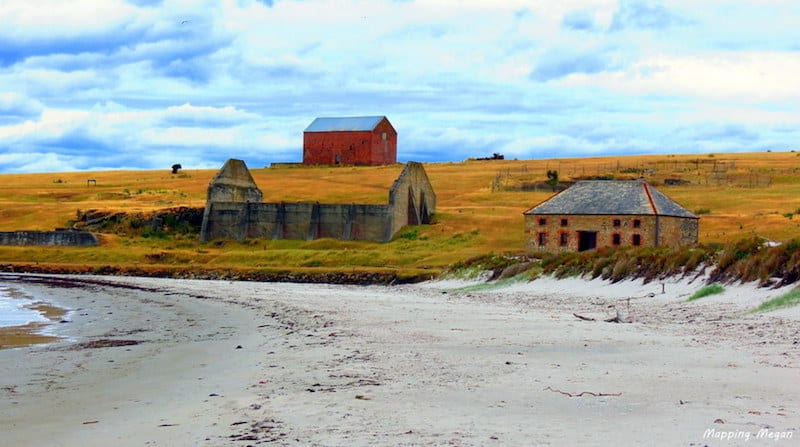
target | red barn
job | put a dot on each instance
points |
(358, 140)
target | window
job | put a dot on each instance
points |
(564, 222)
(637, 239)
(542, 221)
(616, 239)
(542, 239)
(637, 223)
(563, 239)
(617, 223)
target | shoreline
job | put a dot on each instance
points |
(334, 277)
(34, 330)
(441, 362)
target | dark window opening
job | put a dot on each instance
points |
(563, 239)
(616, 239)
(564, 222)
(617, 223)
(587, 240)
(542, 239)
(637, 239)
(542, 221)
(637, 223)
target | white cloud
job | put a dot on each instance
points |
(742, 76)
(31, 20)
(86, 83)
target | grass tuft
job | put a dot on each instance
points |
(711, 289)
(790, 299)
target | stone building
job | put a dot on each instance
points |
(595, 214)
(234, 210)
(359, 140)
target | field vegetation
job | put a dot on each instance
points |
(739, 197)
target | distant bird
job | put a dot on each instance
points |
(184, 22)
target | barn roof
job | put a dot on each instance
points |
(346, 123)
(623, 197)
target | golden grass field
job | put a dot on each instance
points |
(479, 208)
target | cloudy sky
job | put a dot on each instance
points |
(143, 84)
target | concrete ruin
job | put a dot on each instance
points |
(68, 238)
(234, 210)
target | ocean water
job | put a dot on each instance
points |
(13, 311)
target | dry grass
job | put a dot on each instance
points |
(479, 208)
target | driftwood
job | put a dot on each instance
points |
(618, 318)
(583, 393)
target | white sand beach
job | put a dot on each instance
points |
(161, 362)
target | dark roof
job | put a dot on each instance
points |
(348, 123)
(624, 197)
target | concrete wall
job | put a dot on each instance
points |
(59, 238)
(651, 231)
(411, 197)
(411, 202)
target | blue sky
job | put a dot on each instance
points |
(143, 84)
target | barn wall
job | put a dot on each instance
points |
(383, 152)
(671, 231)
(352, 147)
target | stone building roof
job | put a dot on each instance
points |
(606, 197)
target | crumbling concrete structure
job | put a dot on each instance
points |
(234, 210)
(69, 238)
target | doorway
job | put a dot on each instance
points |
(587, 240)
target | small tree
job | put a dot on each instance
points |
(176, 167)
(552, 179)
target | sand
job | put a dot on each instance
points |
(157, 362)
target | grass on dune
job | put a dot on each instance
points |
(711, 289)
(787, 300)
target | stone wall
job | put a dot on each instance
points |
(670, 231)
(677, 231)
(411, 202)
(55, 238)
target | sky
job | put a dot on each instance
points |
(144, 84)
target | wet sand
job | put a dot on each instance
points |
(183, 363)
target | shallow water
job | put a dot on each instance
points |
(14, 309)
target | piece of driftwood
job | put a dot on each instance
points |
(617, 319)
(583, 393)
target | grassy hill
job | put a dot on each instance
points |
(479, 210)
